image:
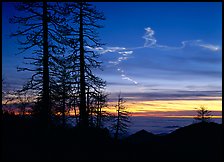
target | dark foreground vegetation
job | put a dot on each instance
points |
(23, 139)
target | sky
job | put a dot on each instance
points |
(164, 58)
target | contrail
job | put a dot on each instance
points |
(150, 42)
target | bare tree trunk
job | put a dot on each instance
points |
(88, 105)
(1, 111)
(91, 116)
(83, 111)
(63, 102)
(24, 110)
(76, 117)
(98, 112)
(118, 121)
(46, 97)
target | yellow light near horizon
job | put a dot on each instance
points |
(168, 105)
(184, 116)
(179, 105)
(162, 108)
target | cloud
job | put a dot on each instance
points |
(118, 84)
(151, 42)
(122, 58)
(112, 49)
(113, 62)
(125, 53)
(210, 46)
(125, 56)
(122, 73)
(102, 50)
(127, 78)
(124, 77)
(149, 37)
(147, 98)
(200, 43)
(173, 95)
(118, 61)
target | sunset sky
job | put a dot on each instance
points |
(164, 58)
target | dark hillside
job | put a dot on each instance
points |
(23, 139)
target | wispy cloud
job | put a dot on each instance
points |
(150, 42)
(211, 47)
(124, 56)
(174, 95)
(125, 53)
(102, 50)
(113, 62)
(128, 78)
(125, 77)
(200, 43)
(149, 37)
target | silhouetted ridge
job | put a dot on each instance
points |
(198, 130)
(199, 141)
(141, 136)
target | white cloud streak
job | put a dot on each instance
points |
(200, 43)
(125, 56)
(211, 47)
(125, 53)
(106, 49)
(149, 37)
(150, 42)
(124, 77)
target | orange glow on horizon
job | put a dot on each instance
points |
(215, 117)
(169, 108)
(161, 108)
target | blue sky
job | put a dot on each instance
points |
(150, 48)
(169, 64)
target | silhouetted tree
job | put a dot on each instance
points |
(122, 118)
(7, 96)
(203, 114)
(41, 27)
(47, 29)
(3, 95)
(100, 113)
(23, 100)
(20, 99)
(62, 89)
(96, 103)
(85, 18)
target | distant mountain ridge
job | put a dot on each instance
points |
(196, 130)
(199, 141)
